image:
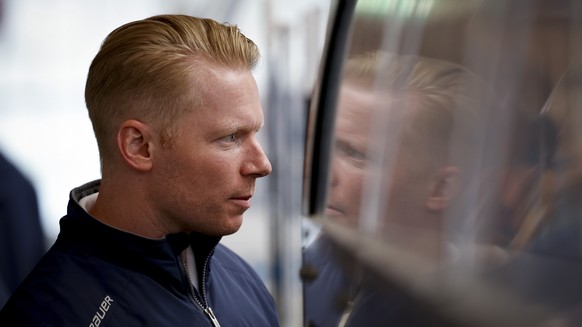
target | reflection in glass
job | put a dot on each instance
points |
(405, 127)
(456, 172)
(408, 167)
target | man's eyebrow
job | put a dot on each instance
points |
(234, 126)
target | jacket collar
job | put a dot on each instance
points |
(158, 257)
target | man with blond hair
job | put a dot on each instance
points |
(176, 112)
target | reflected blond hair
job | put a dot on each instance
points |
(144, 70)
(444, 99)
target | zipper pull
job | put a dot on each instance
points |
(210, 314)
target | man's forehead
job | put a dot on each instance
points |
(381, 107)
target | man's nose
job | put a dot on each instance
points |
(334, 175)
(257, 164)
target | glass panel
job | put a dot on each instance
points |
(455, 179)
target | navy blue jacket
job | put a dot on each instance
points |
(95, 275)
(327, 297)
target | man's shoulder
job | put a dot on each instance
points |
(231, 266)
(64, 286)
(58, 292)
(246, 291)
(229, 259)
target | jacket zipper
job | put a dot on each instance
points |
(201, 300)
(350, 305)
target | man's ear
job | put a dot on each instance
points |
(444, 188)
(134, 140)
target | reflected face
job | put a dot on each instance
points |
(350, 155)
(353, 169)
(205, 181)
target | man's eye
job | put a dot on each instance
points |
(355, 154)
(349, 153)
(229, 139)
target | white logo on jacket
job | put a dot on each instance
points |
(103, 308)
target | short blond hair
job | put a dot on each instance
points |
(144, 68)
(446, 98)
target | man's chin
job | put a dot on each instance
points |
(229, 226)
(233, 225)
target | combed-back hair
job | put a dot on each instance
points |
(447, 100)
(144, 70)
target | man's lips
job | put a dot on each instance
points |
(333, 211)
(243, 201)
